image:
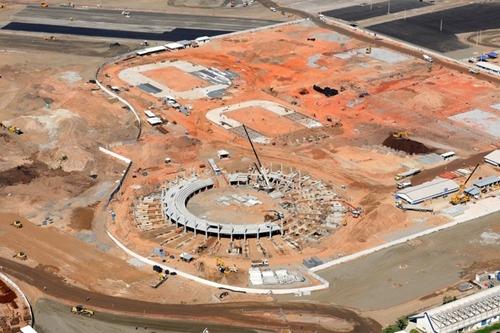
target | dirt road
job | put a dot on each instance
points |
(249, 314)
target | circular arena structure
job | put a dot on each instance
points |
(174, 207)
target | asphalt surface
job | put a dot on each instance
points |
(356, 13)
(414, 269)
(151, 20)
(240, 314)
(173, 35)
(375, 43)
(424, 30)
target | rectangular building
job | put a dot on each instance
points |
(464, 315)
(493, 158)
(429, 190)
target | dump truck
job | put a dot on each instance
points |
(81, 310)
(17, 224)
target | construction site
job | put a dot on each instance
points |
(15, 312)
(244, 169)
(295, 157)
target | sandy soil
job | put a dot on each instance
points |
(264, 121)
(176, 79)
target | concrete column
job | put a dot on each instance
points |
(245, 235)
(270, 232)
(258, 233)
(206, 233)
(195, 226)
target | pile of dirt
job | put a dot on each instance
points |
(407, 145)
(81, 218)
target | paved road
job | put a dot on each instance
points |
(239, 314)
(403, 47)
(138, 21)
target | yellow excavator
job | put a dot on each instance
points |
(460, 197)
(20, 256)
(221, 267)
(401, 134)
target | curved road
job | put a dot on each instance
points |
(246, 314)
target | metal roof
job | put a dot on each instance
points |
(151, 50)
(472, 191)
(488, 66)
(464, 312)
(494, 157)
(428, 190)
(487, 181)
(174, 46)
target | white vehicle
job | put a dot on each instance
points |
(272, 9)
(403, 185)
(427, 58)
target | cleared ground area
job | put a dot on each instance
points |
(368, 10)
(424, 30)
(413, 270)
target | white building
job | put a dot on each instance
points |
(492, 68)
(464, 315)
(429, 190)
(493, 158)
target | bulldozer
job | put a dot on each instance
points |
(44, 4)
(461, 197)
(81, 310)
(17, 224)
(20, 255)
(401, 134)
(221, 267)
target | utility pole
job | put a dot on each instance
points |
(441, 25)
(389, 7)
(371, 4)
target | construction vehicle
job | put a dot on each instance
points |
(221, 267)
(460, 197)
(162, 277)
(20, 256)
(17, 224)
(44, 4)
(368, 50)
(401, 134)
(49, 38)
(355, 211)
(81, 310)
(273, 217)
(267, 187)
(11, 129)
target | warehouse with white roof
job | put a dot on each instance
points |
(436, 188)
(493, 158)
(464, 315)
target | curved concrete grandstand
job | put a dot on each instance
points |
(218, 80)
(175, 199)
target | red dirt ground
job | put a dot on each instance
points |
(175, 78)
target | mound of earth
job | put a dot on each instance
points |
(407, 145)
